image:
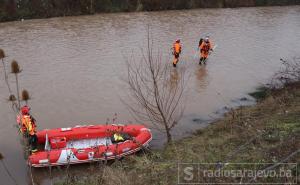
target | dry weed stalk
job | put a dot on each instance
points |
(15, 69)
(6, 169)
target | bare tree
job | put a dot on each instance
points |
(154, 96)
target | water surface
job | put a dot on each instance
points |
(74, 67)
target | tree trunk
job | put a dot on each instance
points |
(91, 7)
(169, 137)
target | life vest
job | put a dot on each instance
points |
(205, 46)
(28, 125)
(177, 47)
(118, 137)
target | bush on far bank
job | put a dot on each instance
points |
(27, 9)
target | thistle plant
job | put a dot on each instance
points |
(15, 69)
(25, 96)
(12, 98)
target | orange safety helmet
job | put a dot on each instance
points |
(25, 110)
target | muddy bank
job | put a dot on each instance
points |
(17, 10)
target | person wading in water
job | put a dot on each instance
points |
(176, 52)
(205, 47)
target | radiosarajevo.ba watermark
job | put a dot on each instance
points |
(237, 173)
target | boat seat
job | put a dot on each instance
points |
(88, 143)
(58, 142)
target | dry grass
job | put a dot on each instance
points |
(267, 132)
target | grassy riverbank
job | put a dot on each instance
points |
(27, 9)
(268, 132)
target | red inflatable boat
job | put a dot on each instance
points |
(83, 144)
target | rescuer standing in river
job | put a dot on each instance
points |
(205, 47)
(176, 52)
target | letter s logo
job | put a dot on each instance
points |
(188, 171)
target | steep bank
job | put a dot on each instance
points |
(266, 133)
(26, 9)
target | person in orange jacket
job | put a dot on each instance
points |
(205, 47)
(28, 128)
(176, 52)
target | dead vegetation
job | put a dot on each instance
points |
(266, 133)
(289, 73)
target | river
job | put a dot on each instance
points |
(74, 67)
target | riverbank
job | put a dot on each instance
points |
(268, 132)
(19, 10)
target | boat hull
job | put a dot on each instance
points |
(83, 144)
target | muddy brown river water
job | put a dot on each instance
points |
(74, 67)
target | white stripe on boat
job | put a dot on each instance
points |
(108, 153)
(145, 129)
(66, 129)
(67, 156)
(43, 161)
